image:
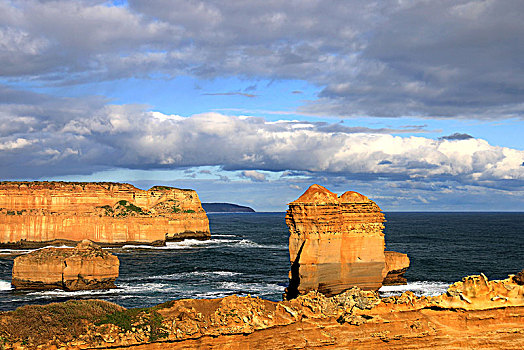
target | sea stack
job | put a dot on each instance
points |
(86, 266)
(36, 214)
(335, 243)
(396, 265)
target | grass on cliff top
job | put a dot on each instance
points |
(39, 324)
(147, 319)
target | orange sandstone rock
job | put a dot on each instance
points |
(396, 265)
(335, 242)
(354, 319)
(86, 266)
(35, 214)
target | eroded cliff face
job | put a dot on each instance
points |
(493, 318)
(86, 266)
(335, 242)
(38, 213)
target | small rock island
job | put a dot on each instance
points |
(336, 243)
(36, 214)
(86, 266)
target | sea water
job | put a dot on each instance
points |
(248, 255)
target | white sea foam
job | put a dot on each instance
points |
(184, 275)
(428, 288)
(214, 242)
(4, 285)
(246, 243)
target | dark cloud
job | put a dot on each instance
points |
(456, 136)
(371, 58)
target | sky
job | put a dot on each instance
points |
(417, 104)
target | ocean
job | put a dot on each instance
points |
(248, 254)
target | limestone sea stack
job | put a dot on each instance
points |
(396, 265)
(35, 214)
(335, 242)
(86, 266)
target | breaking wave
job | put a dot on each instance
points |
(427, 288)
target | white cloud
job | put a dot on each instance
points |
(254, 175)
(128, 136)
(14, 144)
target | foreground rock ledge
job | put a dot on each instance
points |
(36, 214)
(86, 266)
(475, 313)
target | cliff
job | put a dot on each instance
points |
(335, 242)
(34, 214)
(493, 318)
(86, 266)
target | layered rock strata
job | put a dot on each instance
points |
(396, 265)
(335, 242)
(475, 313)
(34, 214)
(86, 266)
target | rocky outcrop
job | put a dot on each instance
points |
(396, 265)
(353, 319)
(335, 242)
(86, 266)
(35, 214)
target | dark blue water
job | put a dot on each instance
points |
(248, 255)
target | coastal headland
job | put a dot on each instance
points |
(35, 214)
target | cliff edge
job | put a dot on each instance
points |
(488, 315)
(35, 214)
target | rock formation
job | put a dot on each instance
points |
(493, 318)
(35, 214)
(396, 265)
(335, 243)
(86, 266)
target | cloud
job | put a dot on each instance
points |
(445, 59)
(71, 136)
(230, 94)
(456, 136)
(254, 175)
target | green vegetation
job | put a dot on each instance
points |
(108, 210)
(147, 319)
(128, 208)
(62, 321)
(189, 211)
(176, 209)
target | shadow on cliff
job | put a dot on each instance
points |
(294, 281)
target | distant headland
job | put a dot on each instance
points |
(226, 208)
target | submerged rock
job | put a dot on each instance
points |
(86, 266)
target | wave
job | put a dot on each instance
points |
(246, 243)
(212, 243)
(184, 276)
(427, 288)
(4, 285)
